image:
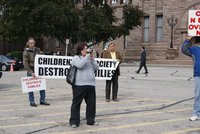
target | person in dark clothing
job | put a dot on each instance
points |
(142, 61)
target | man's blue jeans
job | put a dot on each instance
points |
(197, 96)
(31, 94)
(32, 98)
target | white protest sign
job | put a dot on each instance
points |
(52, 67)
(31, 84)
(194, 23)
(56, 67)
(107, 68)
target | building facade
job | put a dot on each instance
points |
(155, 33)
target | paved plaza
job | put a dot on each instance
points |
(158, 103)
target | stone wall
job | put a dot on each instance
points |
(157, 50)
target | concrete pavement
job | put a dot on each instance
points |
(159, 103)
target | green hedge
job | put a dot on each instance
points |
(17, 54)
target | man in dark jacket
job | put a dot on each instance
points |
(143, 61)
(29, 54)
(194, 52)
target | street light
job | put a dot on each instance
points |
(172, 22)
(67, 43)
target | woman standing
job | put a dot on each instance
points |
(84, 87)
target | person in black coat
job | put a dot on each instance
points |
(143, 61)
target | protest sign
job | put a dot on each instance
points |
(56, 67)
(106, 69)
(194, 23)
(52, 67)
(31, 84)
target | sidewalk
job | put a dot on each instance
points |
(133, 114)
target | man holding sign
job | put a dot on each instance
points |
(111, 53)
(29, 54)
(194, 52)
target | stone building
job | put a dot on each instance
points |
(154, 34)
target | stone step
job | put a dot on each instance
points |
(183, 57)
(131, 52)
(171, 62)
(131, 55)
(161, 60)
(147, 47)
(156, 55)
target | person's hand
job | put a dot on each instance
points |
(119, 61)
(33, 74)
(91, 55)
(189, 37)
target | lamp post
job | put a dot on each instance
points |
(172, 22)
(67, 43)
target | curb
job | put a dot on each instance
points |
(155, 65)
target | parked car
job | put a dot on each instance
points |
(6, 61)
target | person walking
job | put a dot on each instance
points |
(194, 52)
(142, 61)
(111, 53)
(84, 87)
(29, 54)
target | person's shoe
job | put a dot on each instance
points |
(146, 73)
(92, 123)
(194, 118)
(73, 126)
(117, 100)
(107, 100)
(33, 105)
(136, 72)
(44, 103)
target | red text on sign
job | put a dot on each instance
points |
(192, 27)
(34, 86)
(197, 33)
(198, 13)
(193, 20)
